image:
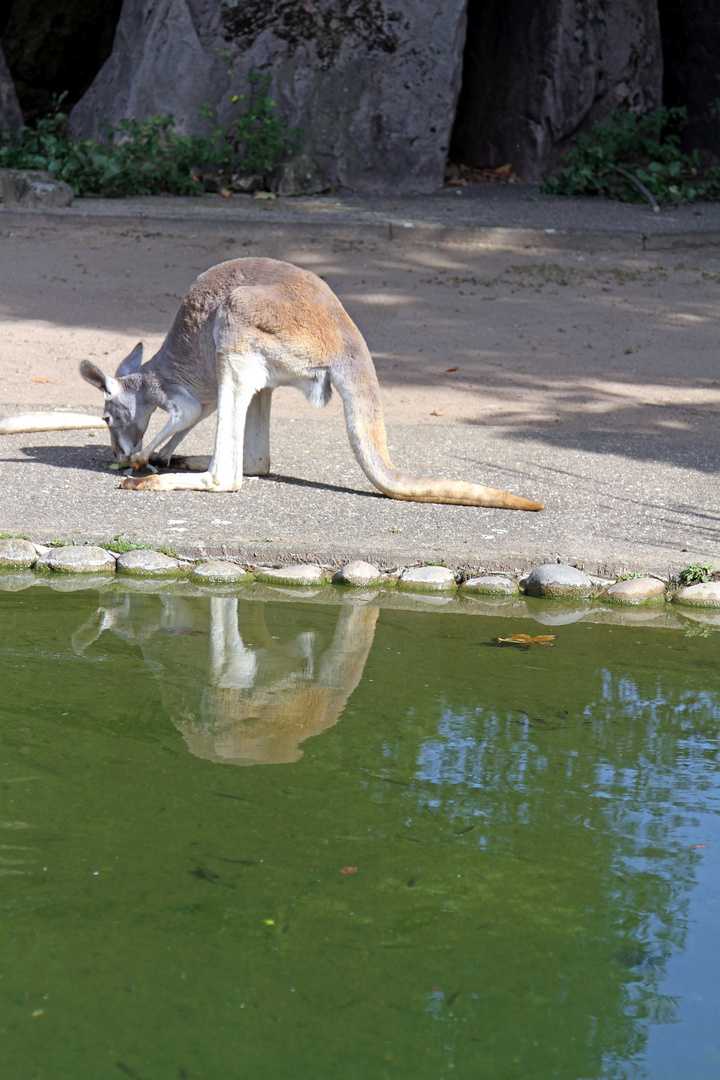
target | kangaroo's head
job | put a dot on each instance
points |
(127, 406)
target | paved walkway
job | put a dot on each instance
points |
(638, 496)
(491, 215)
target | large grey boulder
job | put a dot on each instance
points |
(537, 73)
(372, 84)
(298, 176)
(10, 115)
(33, 188)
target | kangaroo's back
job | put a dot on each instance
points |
(255, 304)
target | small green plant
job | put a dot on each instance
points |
(696, 573)
(58, 543)
(697, 630)
(151, 157)
(121, 547)
(635, 159)
(14, 536)
(259, 137)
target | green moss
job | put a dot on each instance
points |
(325, 26)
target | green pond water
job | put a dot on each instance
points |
(336, 841)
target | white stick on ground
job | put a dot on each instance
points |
(48, 421)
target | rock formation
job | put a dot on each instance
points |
(372, 84)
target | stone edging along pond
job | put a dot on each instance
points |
(556, 581)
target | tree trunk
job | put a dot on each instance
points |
(10, 115)
(537, 73)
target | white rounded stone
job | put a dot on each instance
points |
(144, 562)
(305, 574)
(79, 560)
(357, 573)
(557, 580)
(17, 554)
(491, 585)
(427, 577)
(217, 571)
(635, 590)
(705, 594)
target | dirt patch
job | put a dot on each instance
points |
(521, 340)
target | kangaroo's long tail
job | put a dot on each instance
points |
(48, 421)
(357, 384)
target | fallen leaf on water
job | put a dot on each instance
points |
(526, 639)
(451, 369)
(39, 378)
(437, 412)
(225, 193)
(698, 845)
(348, 869)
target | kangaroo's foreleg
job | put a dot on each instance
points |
(165, 453)
(240, 377)
(185, 412)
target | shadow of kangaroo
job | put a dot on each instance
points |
(236, 694)
(246, 327)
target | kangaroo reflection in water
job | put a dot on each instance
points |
(235, 692)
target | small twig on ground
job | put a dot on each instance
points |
(640, 186)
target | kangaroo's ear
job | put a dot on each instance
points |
(105, 383)
(131, 362)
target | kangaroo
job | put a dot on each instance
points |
(246, 327)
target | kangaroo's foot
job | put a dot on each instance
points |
(204, 481)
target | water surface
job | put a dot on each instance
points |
(246, 839)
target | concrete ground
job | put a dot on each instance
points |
(562, 349)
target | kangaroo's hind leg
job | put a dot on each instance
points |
(240, 377)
